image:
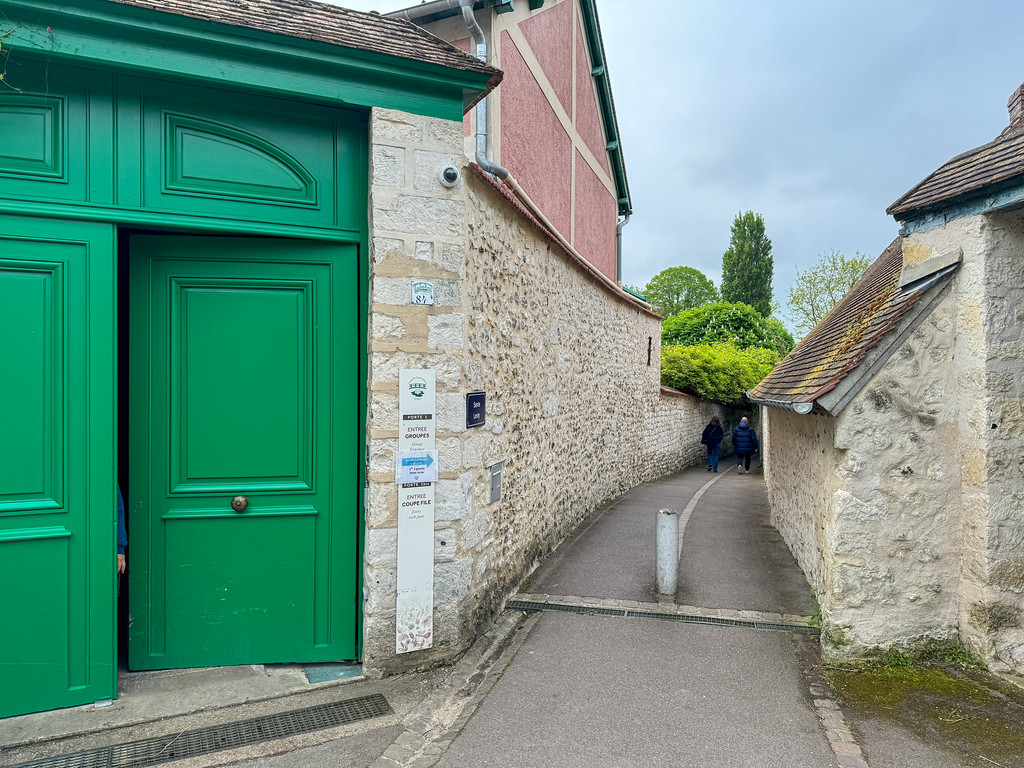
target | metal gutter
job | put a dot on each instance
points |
(783, 405)
(599, 71)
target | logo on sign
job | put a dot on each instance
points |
(417, 387)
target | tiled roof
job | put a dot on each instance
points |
(329, 24)
(837, 345)
(995, 162)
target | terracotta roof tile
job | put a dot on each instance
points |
(329, 24)
(995, 162)
(840, 341)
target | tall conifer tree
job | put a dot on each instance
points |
(748, 266)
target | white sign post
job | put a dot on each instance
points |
(415, 472)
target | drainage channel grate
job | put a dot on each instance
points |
(685, 618)
(200, 741)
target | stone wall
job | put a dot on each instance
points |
(575, 413)
(990, 380)
(799, 459)
(672, 430)
(868, 501)
(910, 520)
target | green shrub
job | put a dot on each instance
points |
(738, 324)
(719, 372)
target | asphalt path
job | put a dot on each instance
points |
(592, 691)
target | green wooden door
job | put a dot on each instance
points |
(244, 375)
(57, 503)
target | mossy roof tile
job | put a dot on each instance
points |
(838, 344)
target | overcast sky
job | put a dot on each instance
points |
(817, 115)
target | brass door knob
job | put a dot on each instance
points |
(239, 503)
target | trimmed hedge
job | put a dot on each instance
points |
(722, 373)
(738, 324)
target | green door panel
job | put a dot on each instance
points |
(169, 147)
(238, 156)
(57, 503)
(52, 126)
(244, 379)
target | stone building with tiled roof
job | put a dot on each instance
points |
(895, 429)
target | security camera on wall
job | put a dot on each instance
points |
(450, 175)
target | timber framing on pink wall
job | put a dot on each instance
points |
(551, 121)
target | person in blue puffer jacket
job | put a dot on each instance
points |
(744, 442)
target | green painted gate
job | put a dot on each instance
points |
(57, 508)
(248, 352)
(244, 390)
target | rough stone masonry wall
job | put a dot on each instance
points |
(672, 430)
(799, 474)
(892, 546)
(990, 381)
(574, 412)
(868, 501)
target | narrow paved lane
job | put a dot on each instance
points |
(592, 691)
(733, 557)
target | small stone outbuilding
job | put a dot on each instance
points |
(894, 429)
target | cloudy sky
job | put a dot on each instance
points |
(815, 114)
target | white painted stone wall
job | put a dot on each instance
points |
(575, 414)
(910, 520)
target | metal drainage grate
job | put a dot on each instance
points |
(200, 741)
(686, 618)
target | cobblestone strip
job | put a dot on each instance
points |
(840, 737)
(434, 724)
(667, 609)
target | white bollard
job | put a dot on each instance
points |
(668, 551)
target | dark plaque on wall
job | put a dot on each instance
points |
(476, 409)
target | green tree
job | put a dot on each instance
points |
(738, 324)
(748, 266)
(677, 288)
(820, 288)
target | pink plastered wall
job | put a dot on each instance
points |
(549, 36)
(595, 216)
(534, 145)
(588, 116)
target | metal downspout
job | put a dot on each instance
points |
(480, 42)
(618, 246)
(481, 109)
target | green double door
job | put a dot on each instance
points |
(243, 493)
(57, 427)
(244, 387)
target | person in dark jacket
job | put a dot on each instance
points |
(712, 438)
(744, 442)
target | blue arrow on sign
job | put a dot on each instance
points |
(416, 461)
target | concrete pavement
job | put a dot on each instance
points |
(588, 690)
